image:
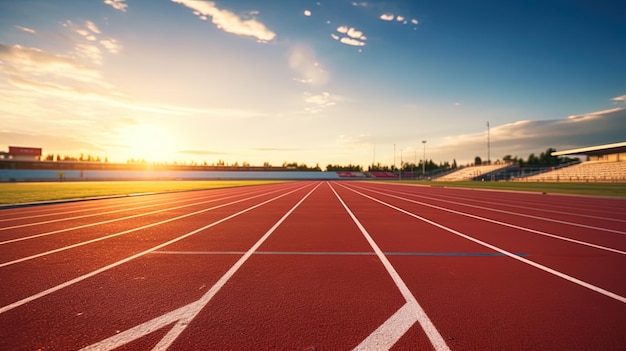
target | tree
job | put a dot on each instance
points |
(478, 161)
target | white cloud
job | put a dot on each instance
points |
(522, 138)
(88, 50)
(387, 17)
(228, 21)
(117, 4)
(317, 102)
(619, 98)
(31, 61)
(354, 36)
(352, 42)
(353, 33)
(359, 4)
(302, 59)
(414, 21)
(111, 45)
(400, 18)
(27, 30)
(92, 27)
(307, 13)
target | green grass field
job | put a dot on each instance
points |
(15, 193)
(596, 189)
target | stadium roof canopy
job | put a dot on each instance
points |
(594, 150)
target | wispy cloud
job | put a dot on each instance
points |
(522, 138)
(360, 4)
(87, 47)
(27, 30)
(399, 18)
(229, 21)
(317, 102)
(19, 61)
(117, 4)
(619, 98)
(303, 60)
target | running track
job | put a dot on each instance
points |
(316, 266)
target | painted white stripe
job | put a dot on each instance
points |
(507, 253)
(505, 204)
(8, 263)
(82, 216)
(396, 326)
(184, 315)
(130, 258)
(517, 214)
(580, 242)
(123, 218)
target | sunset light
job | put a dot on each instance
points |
(315, 82)
(148, 142)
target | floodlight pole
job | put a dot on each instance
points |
(424, 160)
(488, 145)
(401, 163)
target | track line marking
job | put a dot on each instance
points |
(184, 315)
(504, 204)
(386, 335)
(507, 253)
(124, 218)
(516, 214)
(339, 253)
(500, 223)
(137, 255)
(8, 263)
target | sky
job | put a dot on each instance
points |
(314, 82)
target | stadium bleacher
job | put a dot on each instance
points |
(590, 171)
(469, 173)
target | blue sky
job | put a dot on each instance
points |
(310, 82)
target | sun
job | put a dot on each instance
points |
(149, 142)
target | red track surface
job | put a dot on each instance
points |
(316, 266)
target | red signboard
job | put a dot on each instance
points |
(24, 151)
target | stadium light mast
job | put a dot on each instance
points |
(424, 160)
(488, 145)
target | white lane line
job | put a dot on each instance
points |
(184, 315)
(90, 208)
(504, 204)
(82, 243)
(34, 236)
(137, 255)
(518, 214)
(102, 213)
(385, 336)
(507, 253)
(584, 243)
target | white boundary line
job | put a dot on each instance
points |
(387, 334)
(505, 204)
(507, 253)
(508, 212)
(184, 315)
(130, 258)
(500, 223)
(34, 236)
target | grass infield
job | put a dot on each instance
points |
(16, 193)
(595, 189)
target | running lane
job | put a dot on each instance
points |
(476, 295)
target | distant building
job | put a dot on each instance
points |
(20, 153)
